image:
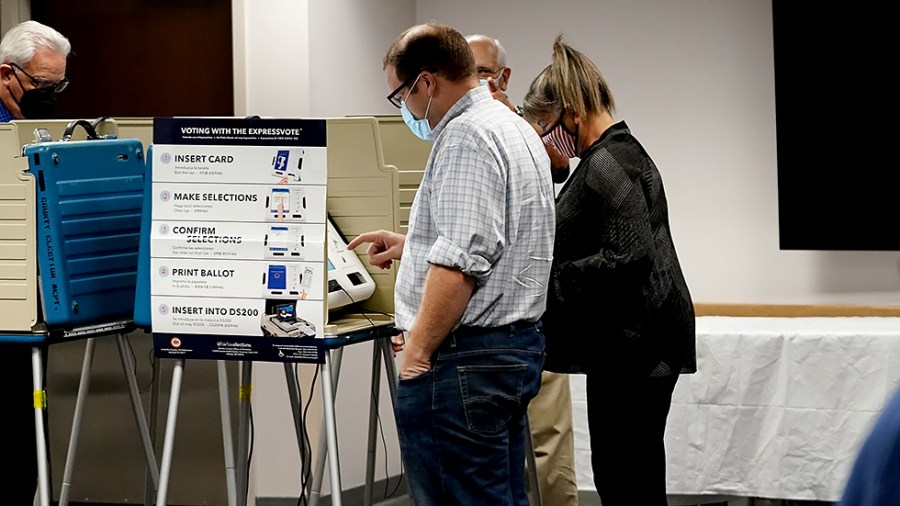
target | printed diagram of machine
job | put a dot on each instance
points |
(285, 241)
(285, 323)
(286, 203)
(281, 164)
(287, 280)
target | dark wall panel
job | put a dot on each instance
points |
(144, 58)
(838, 181)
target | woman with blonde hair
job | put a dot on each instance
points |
(613, 261)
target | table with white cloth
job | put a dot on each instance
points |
(778, 407)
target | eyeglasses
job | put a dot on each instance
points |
(41, 83)
(547, 125)
(485, 72)
(393, 98)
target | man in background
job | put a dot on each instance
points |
(550, 413)
(32, 71)
(490, 60)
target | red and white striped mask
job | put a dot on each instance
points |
(562, 139)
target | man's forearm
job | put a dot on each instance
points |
(447, 293)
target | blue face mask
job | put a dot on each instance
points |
(419, 127)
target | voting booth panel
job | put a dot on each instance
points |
(130, 128)
(362, 193)
(89, 196)
(375, 165)
(18, 224)
(408, 155)
(19, 292)
(18, 258)
(142, 317)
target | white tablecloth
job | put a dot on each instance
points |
(778, 407)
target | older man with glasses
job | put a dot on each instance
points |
(32, 71)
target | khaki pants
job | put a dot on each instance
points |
(550, 417)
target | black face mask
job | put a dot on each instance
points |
(37, 103)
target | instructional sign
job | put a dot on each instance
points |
(237, 258)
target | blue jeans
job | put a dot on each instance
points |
(462, 423)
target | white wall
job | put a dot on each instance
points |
(271, 48)
(348, 40)
(694, 79)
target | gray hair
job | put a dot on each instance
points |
(21, 41)
(501, 52)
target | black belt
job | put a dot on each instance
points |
(464, 331)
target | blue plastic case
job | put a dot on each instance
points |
(89, 199)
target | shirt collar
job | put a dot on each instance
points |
(5, 116)
(477, 95)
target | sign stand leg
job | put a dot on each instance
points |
(83, 386)
(37, 375)
(334, 467)
(172, 415)
(227, 439)
(322, 452)
(244, 432)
